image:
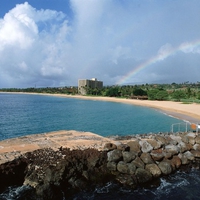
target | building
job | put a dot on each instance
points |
(83, 84)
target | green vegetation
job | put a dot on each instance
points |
(50, 90)
(184, 92)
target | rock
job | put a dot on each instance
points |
(154, 143)
(189, 146)
(153, 169)
(123, 147)
(191, 140)
(169, 140)
(157, 154)
(110, 146)
(176, 138)
(161, 139)
(167, 155)
(143, 175)
(134, 146)
(189, 155)
(175, 162)
(173, 149)
(183, 147)
(132, 168)
(183, 158)
(146, 158)
(184, 139)
(112, 166)
(196, 147)
(128, 156)
(127, 180)
(191, 134)
(197, 139)
(196, 153)
(115, 155)
(165, 167)
(138, 162)
(145, 146)
(123, 167)
(173, 142)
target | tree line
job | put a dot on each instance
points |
(189, 92)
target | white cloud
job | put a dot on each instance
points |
(103, 38)
(33, 44)
(192, 47)
(164, 51)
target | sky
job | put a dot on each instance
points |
(53, 43)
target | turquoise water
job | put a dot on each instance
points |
(23, 114)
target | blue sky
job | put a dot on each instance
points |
(56, 42)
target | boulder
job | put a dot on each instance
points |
(110, 146)
(189, 146)
(196, 153)
(173, 149)
(165, 167)
(145, 146)
(128, 156)
(183, 147)
(167, 155)
(189, 155)
(191, 140)
(132, 168)
(196, 147)
(175, 162)
(138, 162)
(157, 154)
(127, 180)
(183, 158)
(146, 158)
(115, 155)
(134, 146)
(154, 143)
(143, 175)
(191, 134)
(153, 169)
(184, 139)
(123, 167)
(197, 139)
(176, 138)
(112, 166)
(161, 139)
(123, 147)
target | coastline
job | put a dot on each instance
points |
(187, 112)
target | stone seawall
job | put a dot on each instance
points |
(146, 158)
(131, 161)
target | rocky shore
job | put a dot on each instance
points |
(132, 161)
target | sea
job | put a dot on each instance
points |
(24, 114)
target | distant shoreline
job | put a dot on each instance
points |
(187, 112)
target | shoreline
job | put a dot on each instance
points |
(186, 112)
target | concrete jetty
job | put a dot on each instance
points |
(13, 148)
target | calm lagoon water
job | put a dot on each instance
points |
(23, 114)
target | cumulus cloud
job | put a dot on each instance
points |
(106, 39)
(33, 43)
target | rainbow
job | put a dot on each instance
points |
(163, 54)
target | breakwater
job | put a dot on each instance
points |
(131, 161)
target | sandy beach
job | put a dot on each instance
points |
(189, 112)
